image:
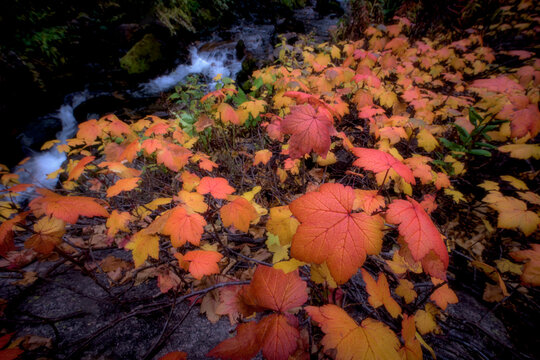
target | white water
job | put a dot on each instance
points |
(220, 60)
(41, 164)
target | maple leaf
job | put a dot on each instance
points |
(6, 232)
(513, 213)
(219, 187)
(310, 130)
(238, 213)
(262, 156)
(379, 162)
(193, 200)
(118, 221)
(531, 270)
(411, 349)
(273, 289)
(416, 227)
(244, 346)
(76, 172)
(368, 341)
(368, 200)
(89, 131)
(182, 227)
(67, 208)
(405, 289)
(525, 121)
(202, 262)
(227, 114)
(175, 355)
(173, 156)
(379, 293)
(123, 185)
(48, 234)
(501, 84)
(142, 245)
(522, 151)
(443, 295)
(277, 337)
(425, 319)
(330, 232)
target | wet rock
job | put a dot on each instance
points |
(140, 58)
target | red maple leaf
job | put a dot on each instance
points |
(378, 161)
(310, 130)
(421, 235)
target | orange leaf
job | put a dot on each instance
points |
(227, 114)
(238, 213)
(189, 181)
(123, 185)
(193, 200)
(118, 221)
(219, 187)
(411, 349)
(183, 227)
(443, 295)
(202, 262)
(173, 156)
(262, 156)
(273, 289)
(418, 230)
(371, 340)
(89, 131)
(331, 232)
(379, 293)
(277, 337)
(379, 162)
(6, 232)
(310, 130)
(175, 355)
(76, 172)
(48, 234)
(244, 346)
(67, 208)
(531, 271)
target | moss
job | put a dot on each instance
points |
(142, 55)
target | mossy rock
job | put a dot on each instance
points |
(142, 55)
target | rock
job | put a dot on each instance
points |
(140, 58)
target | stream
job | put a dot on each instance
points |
(208, 59)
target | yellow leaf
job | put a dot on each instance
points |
(522, 151)
(193, 200)
(516, 183)
(456, 195)
(505, 265)
(330, 159)
(48, 234)
(145, 210)
(142, 245)
(425, 320)
(405, 289)
(426, 140)
(489, 185)
(320, 274)
(280, 252)
(289, 265)
(282, 224)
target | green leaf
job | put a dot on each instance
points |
(479, 152)
(452, 145)
(474, 117)
(486, 145)
(258, 83)
(463, 134)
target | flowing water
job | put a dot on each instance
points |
(209, 60)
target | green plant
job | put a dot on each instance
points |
(474, 142)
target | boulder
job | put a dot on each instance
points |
(140, 58)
